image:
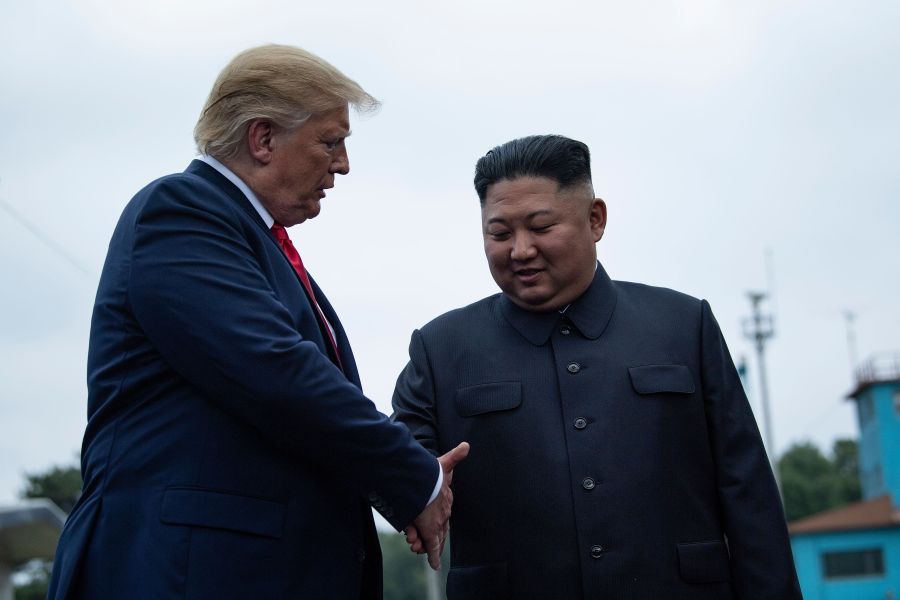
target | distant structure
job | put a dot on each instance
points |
(28, 530)
(853, 552)
(759, 328)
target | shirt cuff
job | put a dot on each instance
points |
(437, 486)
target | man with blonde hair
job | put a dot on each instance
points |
(229, 450)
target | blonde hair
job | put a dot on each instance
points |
(284, 84)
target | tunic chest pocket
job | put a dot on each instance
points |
(488, 398)
(661, 379)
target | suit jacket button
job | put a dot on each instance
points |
(565, 330)
(580, 423)
(573, 367)
(596, 551)
(361, 555)
(588, 483)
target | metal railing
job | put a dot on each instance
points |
(884, 366)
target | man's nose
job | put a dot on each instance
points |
(523, 248)
(341, 162)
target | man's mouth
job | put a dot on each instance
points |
(321, 190)
(527, 275)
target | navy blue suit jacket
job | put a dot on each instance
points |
(225, 456)
(614, 454)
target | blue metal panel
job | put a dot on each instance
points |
(889, 436)
(809, 548)
(870, 463)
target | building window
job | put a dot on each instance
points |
(855, 563)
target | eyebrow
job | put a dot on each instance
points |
(340, 132)
(528, 217)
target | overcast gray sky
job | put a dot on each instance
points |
(720, 131)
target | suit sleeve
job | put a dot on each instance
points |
(413, 399)
(197, 290)
(762, 564)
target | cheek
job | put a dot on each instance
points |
(494, 253)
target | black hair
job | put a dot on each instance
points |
(556, 157)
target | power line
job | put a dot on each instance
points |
(46, 239)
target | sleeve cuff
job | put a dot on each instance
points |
(437, 486)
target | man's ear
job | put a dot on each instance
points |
(261, 140)
(598, 218)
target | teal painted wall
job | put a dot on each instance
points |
(808, 550)
(879, 441)
(889, 428)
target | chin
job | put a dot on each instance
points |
(532, 302)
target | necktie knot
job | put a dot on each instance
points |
(284, 240)
(280, 232)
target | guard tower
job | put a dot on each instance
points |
(877, 396)
(853, 552)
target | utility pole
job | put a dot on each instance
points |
(759, 328)
(432, 582)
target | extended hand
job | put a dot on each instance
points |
(429, 530)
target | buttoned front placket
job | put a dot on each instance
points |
(577, 361)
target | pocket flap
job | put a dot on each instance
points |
(222, 510)
(479, 582)
(655, 379)
(488, 397)
(703, 562)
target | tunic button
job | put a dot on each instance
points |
(361, 555)
(565, 330)
(580, 423)
(587, 483)
(573, 368)
(596, 551)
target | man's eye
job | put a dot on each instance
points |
(499, 235)
(332, 145)
(541, 229)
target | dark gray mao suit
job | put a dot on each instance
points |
(614, 454)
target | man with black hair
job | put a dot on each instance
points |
(614, 453)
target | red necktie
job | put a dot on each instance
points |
(281, 235)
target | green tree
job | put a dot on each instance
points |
(845, 457)
(812, 483)
(404, 575)
(62, 484)
(404, 572)
(37, 578)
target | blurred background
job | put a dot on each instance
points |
(739, 147)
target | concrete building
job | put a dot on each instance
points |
(28, 530)
(853, 552)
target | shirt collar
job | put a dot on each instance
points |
(589, 313)
(245, 189)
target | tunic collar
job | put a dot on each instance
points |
(589, 313)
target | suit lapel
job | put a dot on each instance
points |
(209, 174)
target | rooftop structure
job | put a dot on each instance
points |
(853, 552)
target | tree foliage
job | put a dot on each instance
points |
(62, 484)
(404, 572)
(812, 482)
(36, 578)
